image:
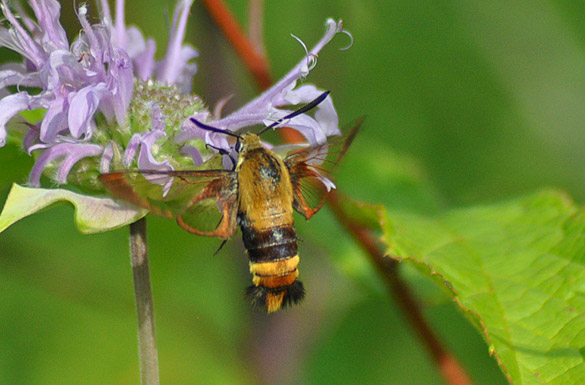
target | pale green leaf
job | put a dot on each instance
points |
(518, 269)
(92, 214)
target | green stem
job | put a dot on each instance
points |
(147, 351)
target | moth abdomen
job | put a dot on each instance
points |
(276, 298)
(274, 273)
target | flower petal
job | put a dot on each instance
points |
(106, 159)
(62, 72)
(305, 124)
(31, 137)
(18, 39)
(82, 106)
(131, 150)
(72, 152)
(10, 106)
(175, 60)
(120, 75)
(329, 185)
(263, 108)
(144, 64)
(15, 74)
(191, 131)
(325, 113)
(78, 153)
(47, 13)
(186, 69)
(146, 158)
(289, 80)
(326, 116)
(55, 120)
(194, 153)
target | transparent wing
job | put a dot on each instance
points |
(312, 170)
(203, 202)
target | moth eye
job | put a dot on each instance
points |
(238, 146)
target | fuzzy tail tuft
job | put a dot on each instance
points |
(273, 299)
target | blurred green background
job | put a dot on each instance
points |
(466, 101)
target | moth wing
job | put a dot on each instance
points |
(203, 202)
(311, 171)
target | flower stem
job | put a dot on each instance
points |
(147, 351)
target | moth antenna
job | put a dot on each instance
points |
(307, 107)
(207, 127)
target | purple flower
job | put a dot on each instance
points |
(74, 83)
(267, 108)
(105, 96)
(176, 68)
(89, 80)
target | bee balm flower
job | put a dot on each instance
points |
(103, 95)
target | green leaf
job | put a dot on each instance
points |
(517, 268)
(92, 215)
(17, 164)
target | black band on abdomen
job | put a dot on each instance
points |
(259, 239)
(273, 253)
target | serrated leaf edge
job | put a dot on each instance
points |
(383, 219)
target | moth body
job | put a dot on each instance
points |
(265, 216)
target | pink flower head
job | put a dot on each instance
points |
(94, 75)
(105, 96)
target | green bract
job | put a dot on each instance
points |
(92, 215)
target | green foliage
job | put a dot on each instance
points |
(92, 215)
(517, 269)
(20, 166)
(466, 102)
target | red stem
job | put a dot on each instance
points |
(451, 369)
(254, 61)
